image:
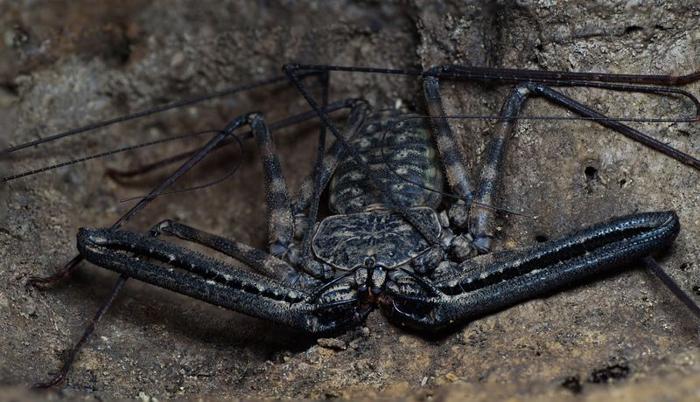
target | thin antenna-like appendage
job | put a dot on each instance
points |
(627, 131)
(60, 377)
(515, 75)
(43, 282)
(318, 173)
(196, 158)
(617, 82)
(512, 75)
(463, 73)
(655, 90)
(209, 183)
(143, 113)
(71, 162)
(277, 125)
(681, 295)
(116, 174)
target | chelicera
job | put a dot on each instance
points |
(395, 239)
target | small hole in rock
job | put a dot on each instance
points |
(622, 182)
(540, 238)
(573, 384)
(633, 28)
(696, 290)
(591, 172)
(10, 87)
(609, 374)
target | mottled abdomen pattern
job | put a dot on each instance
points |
(407, 147)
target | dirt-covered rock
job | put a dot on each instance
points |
(62, 65)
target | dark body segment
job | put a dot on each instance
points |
(345, 241)
(400, 149)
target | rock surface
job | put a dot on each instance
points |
(623, 337)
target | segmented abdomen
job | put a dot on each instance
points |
(408, 151)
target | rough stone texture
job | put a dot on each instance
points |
(622, 337)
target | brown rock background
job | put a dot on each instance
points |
(61, 65)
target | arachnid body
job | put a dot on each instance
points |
(386, 245)
(388, 242)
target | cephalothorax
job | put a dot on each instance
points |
(393, 239)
